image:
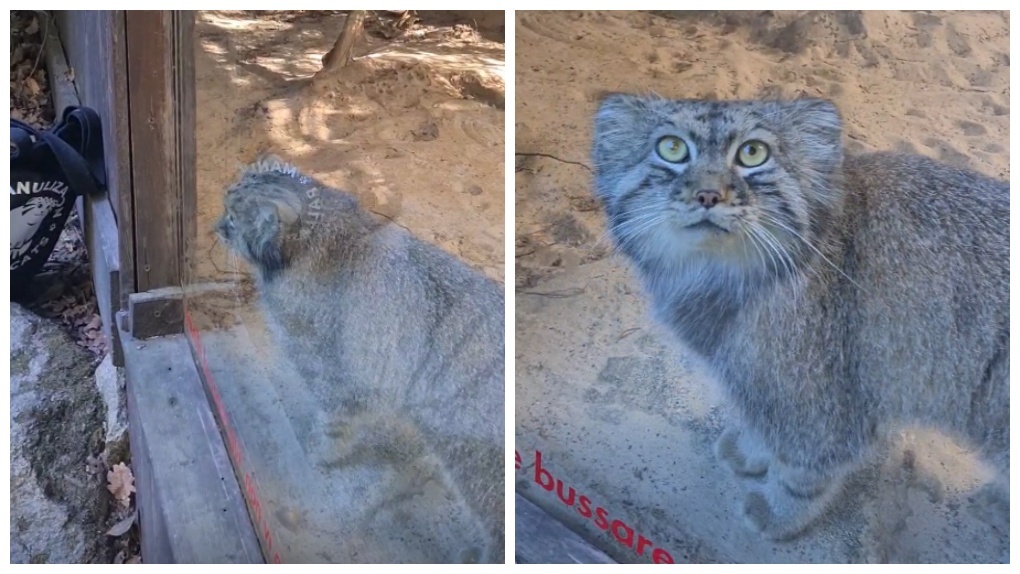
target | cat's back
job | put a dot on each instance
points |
(961, 205)
(928, 247)
(921, 217)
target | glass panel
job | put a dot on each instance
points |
(358, 375)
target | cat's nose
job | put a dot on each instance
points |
(708, 198)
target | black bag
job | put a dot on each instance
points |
(50, 169)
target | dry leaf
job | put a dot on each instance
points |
(121, 483)
(32, 85)
(33, 27)
(121, 528)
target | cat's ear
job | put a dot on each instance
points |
(270, 158)
(815, 128)
(818, 114)
(616, 109)
(619, 139)
(287, 213)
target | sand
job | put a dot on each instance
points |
(617, 415)
(414, 127)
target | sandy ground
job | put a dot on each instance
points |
(414, 127)
(616, 415)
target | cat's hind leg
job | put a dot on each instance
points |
(743, 452)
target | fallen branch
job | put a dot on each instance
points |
(550, 156)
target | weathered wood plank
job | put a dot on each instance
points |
(96, 213)
(102, 242)
(190, 504)
(93, 42)
(541, 539)
(152, 52)
(156, 313)
(185, 97)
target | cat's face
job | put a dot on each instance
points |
(261, 213)
(738, 184)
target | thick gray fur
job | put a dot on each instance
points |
(400, 340)
(833, 296)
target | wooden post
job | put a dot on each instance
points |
(93, 74)
(161, 91)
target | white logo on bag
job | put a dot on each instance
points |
(25, 220)
(26, 187)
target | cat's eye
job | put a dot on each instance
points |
(672, 149)
(753, 153)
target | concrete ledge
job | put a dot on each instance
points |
(541, 539)
(190, 506)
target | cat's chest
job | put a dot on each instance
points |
(734, 333)
(300, 312)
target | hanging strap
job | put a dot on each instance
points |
(83, 127)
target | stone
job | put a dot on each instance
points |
(58, 508)
(111, 386)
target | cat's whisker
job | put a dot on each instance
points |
(753, 234)
(774, 215)
(786, 228)
(633, 228)
(788, 262)
(784, 253)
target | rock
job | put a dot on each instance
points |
(58, 509)
(111, 386)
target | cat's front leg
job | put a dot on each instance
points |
(373, 437)
(791, 499)
(743, 452)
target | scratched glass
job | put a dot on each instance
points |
(413, 127)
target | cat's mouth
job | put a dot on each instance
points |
(707, 225)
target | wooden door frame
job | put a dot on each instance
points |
(136, 69)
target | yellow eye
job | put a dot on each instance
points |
(672, 149)
(753, 153)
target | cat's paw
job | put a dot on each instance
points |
(379, 437)
(791, 501)
(345, 445)
(742, 454)
(778, 521)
